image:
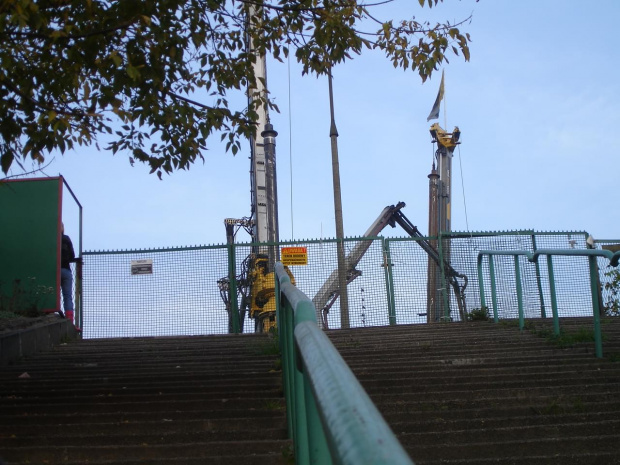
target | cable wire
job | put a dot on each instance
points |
(463, 189)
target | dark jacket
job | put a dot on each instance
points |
(67, 255)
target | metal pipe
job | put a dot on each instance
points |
(519, 293)
(554, 299)
(342, 268)
(493, 289)
(271, 193)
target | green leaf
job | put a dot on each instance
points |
(5, 161)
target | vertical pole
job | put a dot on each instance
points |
(288, 364)
(389, 281)
(318, 450)
(543, 312)
(79, 270)
(493, 288)
(271, 193)
(445, 291)
(233, 310)
(554, 299)
(432, 294)
(302, 452)
(519, 293)
(596, 307)
(483, 302)
(257, 96)
(342, 270)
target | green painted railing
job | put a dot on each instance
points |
(331, 419)
(533, 257)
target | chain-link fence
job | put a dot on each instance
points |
(610, 278)
(188, 291)
(179, 296)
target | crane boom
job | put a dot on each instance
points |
(391, 215)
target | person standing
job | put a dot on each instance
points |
(67, 256)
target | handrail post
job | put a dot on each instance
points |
(318, 450)
(300, 439)
(483, 302)
(554, 299)
(596, 307)
(543, 312)
(285, 337)
(519, 293)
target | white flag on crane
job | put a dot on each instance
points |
(434, 114)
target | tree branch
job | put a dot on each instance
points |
(27, 173)
(35, 35)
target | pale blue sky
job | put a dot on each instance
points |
(538, 106)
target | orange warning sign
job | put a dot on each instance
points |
(294, 256)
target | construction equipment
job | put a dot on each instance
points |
(256, 282)
(391, 215)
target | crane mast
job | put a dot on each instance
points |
(439, 220)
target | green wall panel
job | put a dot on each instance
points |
(30, 241)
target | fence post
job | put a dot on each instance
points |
(493, 288)
(233, 310)
(519, 293)
(543, 312)
(596, 307)
(445, 292)
(389, 281)
(483, 302)
(554, 299)
(79, 319)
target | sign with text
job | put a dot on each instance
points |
(294, 256)
(142, 266)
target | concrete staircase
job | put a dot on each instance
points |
(189, 400)
(485, 393)
(473, 393)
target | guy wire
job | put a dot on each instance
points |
(463, 189)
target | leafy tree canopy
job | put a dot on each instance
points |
(71, 70)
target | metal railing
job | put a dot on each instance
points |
(549, 253)
(331, 419)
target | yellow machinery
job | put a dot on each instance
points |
(262, 293)
(252, 292)
(448, 140)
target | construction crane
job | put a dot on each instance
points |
(391, 215)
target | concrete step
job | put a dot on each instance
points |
(146, 400)
(234, 451)
(485, 393)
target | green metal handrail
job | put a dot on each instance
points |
(613, 258)
(331, 419)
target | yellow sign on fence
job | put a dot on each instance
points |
(294, 256)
